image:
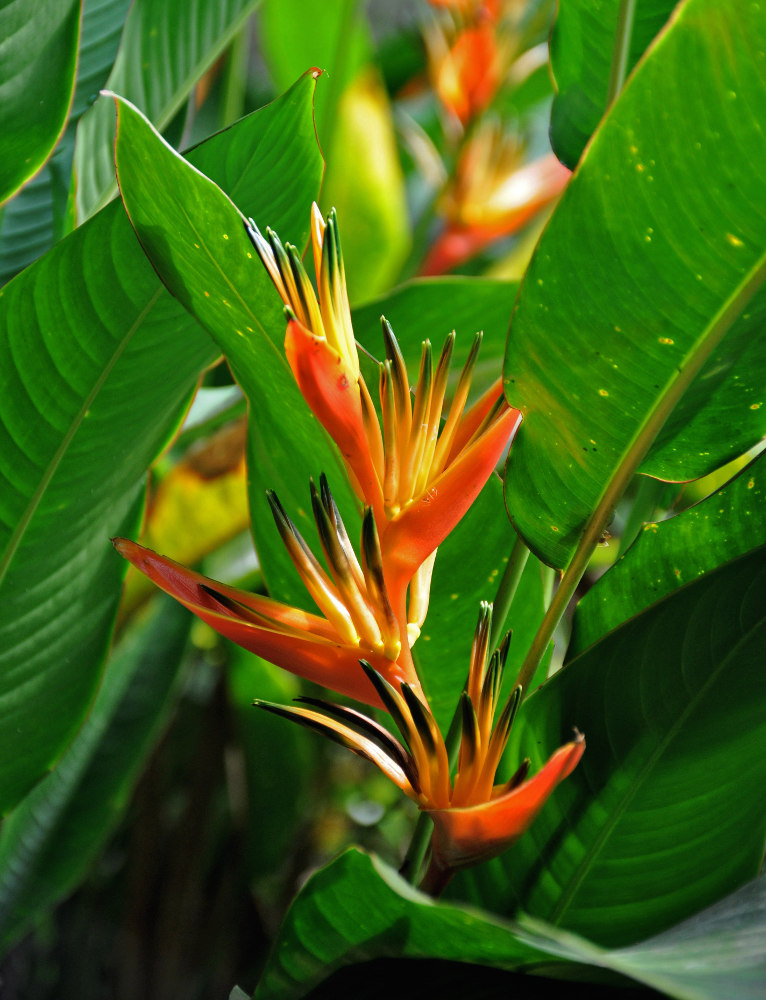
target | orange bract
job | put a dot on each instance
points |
(357, 617)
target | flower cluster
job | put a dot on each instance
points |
(494, 193)
(474, 818)
(416, 469)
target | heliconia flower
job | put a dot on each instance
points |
(467, 73)
(356, 620)
(474, 818)
(493, 195)
(418, 476)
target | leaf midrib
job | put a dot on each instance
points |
(50, 470)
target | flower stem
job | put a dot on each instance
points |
(621, 52)
(506, 591)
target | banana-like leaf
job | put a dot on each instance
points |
(588, 38)
(195, 237)
(97, 364)
(42, 212)
(664, 814)
(358, 909)
(165, 48)
(51, 838)
(37, 76)
(729, 523)
(637, 339)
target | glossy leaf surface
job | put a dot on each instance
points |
(49, 841)
(714, 955)
(357, 908)
(582, 53)
(664, 815)
(37, 75)
(195, 238)
(165, 48)
(40, 213)
(667, 555)
(80, 329)
(638, 327)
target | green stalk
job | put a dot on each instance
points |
(549, 579)
(235, 77)
(506, 591)
(635, 453)
(621, 52)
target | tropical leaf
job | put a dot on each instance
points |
(358, 909)
(589, 38)
(195, 238)
(729, 523)
(50, 839)
(663, 815)
(636, 341)
(42, 212)
(714, 955)
(85, 332)
(299, 34)
(165, 48)
(40, 44)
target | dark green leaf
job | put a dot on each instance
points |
(666, 555)
(280, 763)
(41, 213)
(40, 43)
(84, 333)
(716, 955)
(51, 838)
(664, 814)
(357, 909)
(643, 291)
(164, 50)
(582, 54)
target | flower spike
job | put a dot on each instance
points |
(474, 818)
(419, 480)
(356, 617)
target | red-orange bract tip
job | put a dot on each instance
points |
(305, 644)
(464, 837)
